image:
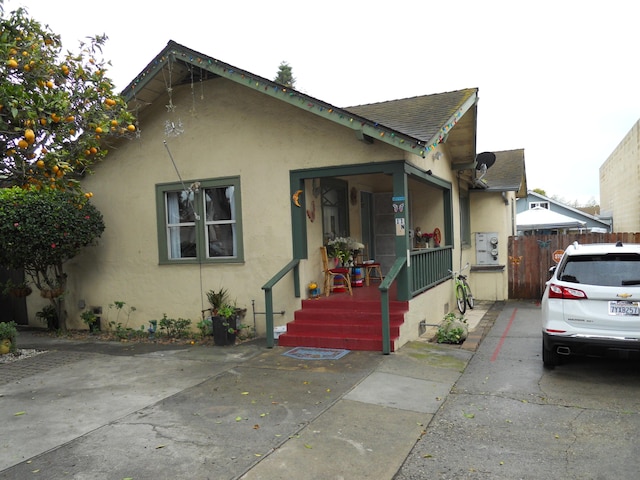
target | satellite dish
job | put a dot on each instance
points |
(484, 160)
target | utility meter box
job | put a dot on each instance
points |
(487, 248)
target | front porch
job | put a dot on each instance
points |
(372, 318)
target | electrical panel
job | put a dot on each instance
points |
(487, 248)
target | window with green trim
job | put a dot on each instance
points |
(200, 223)
(465, 219)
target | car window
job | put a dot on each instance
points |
(611, 270)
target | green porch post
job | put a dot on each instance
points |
(401, 217)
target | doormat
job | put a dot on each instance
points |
(309, 353)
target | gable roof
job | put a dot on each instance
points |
(507, 174)
(416, 125)
(591, 220)
(540, 218)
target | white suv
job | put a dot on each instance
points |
(591, 304)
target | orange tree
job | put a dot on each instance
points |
(58, 116)
(58, 112)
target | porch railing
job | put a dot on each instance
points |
(395, 270)
(429, 267)
(268, 294)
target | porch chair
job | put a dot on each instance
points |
(363, 261)
(331, 273)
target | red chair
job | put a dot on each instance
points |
(331, 273)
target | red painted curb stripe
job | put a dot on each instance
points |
(504, 335)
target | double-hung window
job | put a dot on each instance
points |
(200, 221)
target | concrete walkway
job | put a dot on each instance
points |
(103, 410)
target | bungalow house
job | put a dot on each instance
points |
(236, 182)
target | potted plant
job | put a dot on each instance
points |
(91, 320)
(224, 325)
(17, 289)
(8, 334)
(217, 299)
(49, 315)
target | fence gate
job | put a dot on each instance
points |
(531, 257)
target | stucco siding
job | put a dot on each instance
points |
(232, 131)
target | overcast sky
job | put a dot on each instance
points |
(557, 78)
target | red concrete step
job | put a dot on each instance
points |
(344, 329)
(366, 344)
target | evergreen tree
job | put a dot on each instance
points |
(285, 75)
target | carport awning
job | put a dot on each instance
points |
(540, 218)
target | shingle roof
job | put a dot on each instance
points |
(416, 124)
(507, 173)
(420, 117)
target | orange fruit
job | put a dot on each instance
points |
(23, 143)
(30, 136)
(114, 123)
(43, 121)
(110, 101)
(131, 128)
(71, 118)
(55, 168)
(49, 84)
(98, 130)
(40, 163)
(93, 150)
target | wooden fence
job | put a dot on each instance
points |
(531, 257)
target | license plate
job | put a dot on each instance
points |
(624, 308)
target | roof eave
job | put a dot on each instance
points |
(362, 126)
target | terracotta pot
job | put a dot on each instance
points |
(20, 292)
(51, 293)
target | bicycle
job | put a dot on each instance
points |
(464, 296)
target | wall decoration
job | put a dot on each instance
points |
(295, 198)
(312, 213)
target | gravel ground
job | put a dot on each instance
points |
(20, 354)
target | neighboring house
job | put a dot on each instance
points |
(202, 199)
(620, 183)
(538, 214)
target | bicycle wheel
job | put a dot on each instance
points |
(470, 301)
(460, 299)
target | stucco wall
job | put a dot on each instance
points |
(491, 213)
(233, 131)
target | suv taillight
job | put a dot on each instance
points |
(565, 293)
